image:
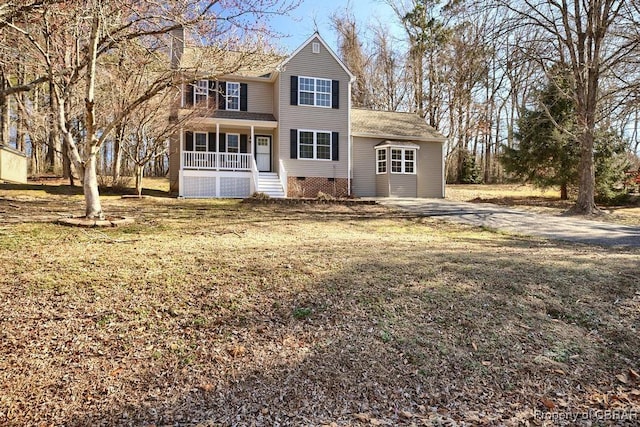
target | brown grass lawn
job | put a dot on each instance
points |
(221, 313)
(530, 198)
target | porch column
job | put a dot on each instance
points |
(217, 154)
(252, 140)
(181, 149)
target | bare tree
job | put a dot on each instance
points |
(595, 38)
(74, 40)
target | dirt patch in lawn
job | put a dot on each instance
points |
(220, 313)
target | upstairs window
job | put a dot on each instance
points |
(233, 96)
(314, 91)
(201, 92)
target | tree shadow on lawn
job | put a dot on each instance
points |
(76, 190)
(449, 329)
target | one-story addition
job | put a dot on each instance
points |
(287, 129)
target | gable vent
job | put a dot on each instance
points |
(315, 47)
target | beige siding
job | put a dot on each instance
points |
(382, 185)
(322, 65)
(364, 167)
(430, 180)
(402, 185)
(13, 165)
(260, 97)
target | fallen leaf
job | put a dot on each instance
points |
(206, 387)
(376, 422)
(363, 417)
(559, 371)
(548, 403)
(634, 374)
(622, 378)
(237, 350)
(115, 372)
(475, 347)
(406, 414)
(486, 363)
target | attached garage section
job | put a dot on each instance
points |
(396, 155)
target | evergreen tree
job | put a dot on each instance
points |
(547, 150)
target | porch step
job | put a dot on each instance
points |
(269, 183)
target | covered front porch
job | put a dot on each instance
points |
(225, 157)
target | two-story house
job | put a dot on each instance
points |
(285, 127)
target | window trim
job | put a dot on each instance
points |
(315, 92)
(315, 145)
(382, 162)
(228, 97)
(195, 142)
(198, 91)
(226, 146)
(403, 160)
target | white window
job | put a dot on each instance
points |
(201, 92)
(200, 141)
(315, 47)
(233, 96)
(403, 160)
(314, 91)
(233, 143)
(381, 161)
(314, 145)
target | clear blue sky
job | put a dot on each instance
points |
(299, 26)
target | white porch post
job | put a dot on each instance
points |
(250, 150)
(217, 154)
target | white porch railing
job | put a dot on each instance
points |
(283, 178)
(255, 175)
(216, 161)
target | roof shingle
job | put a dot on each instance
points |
(391, 125)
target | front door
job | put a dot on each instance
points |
(263, 153)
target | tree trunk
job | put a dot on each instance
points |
(564, 193)
(139, 173)
(90, 187)
(117, 155)
(54, 148)
(586, 189)
(4, 110)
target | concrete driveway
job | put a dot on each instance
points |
(498, 217)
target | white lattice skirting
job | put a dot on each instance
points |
(201, 184)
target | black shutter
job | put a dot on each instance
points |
(211, 146)
(212, 94)
(243, 144)
(294, 90)
(188, 141)
(335, 94)
(335, 151)
(222, 99)
(294, 143)
(243, 97)
(188, 94)
(223, 143)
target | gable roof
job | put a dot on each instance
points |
(316, 35)
(392, 125)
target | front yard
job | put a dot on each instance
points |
(220, 313)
